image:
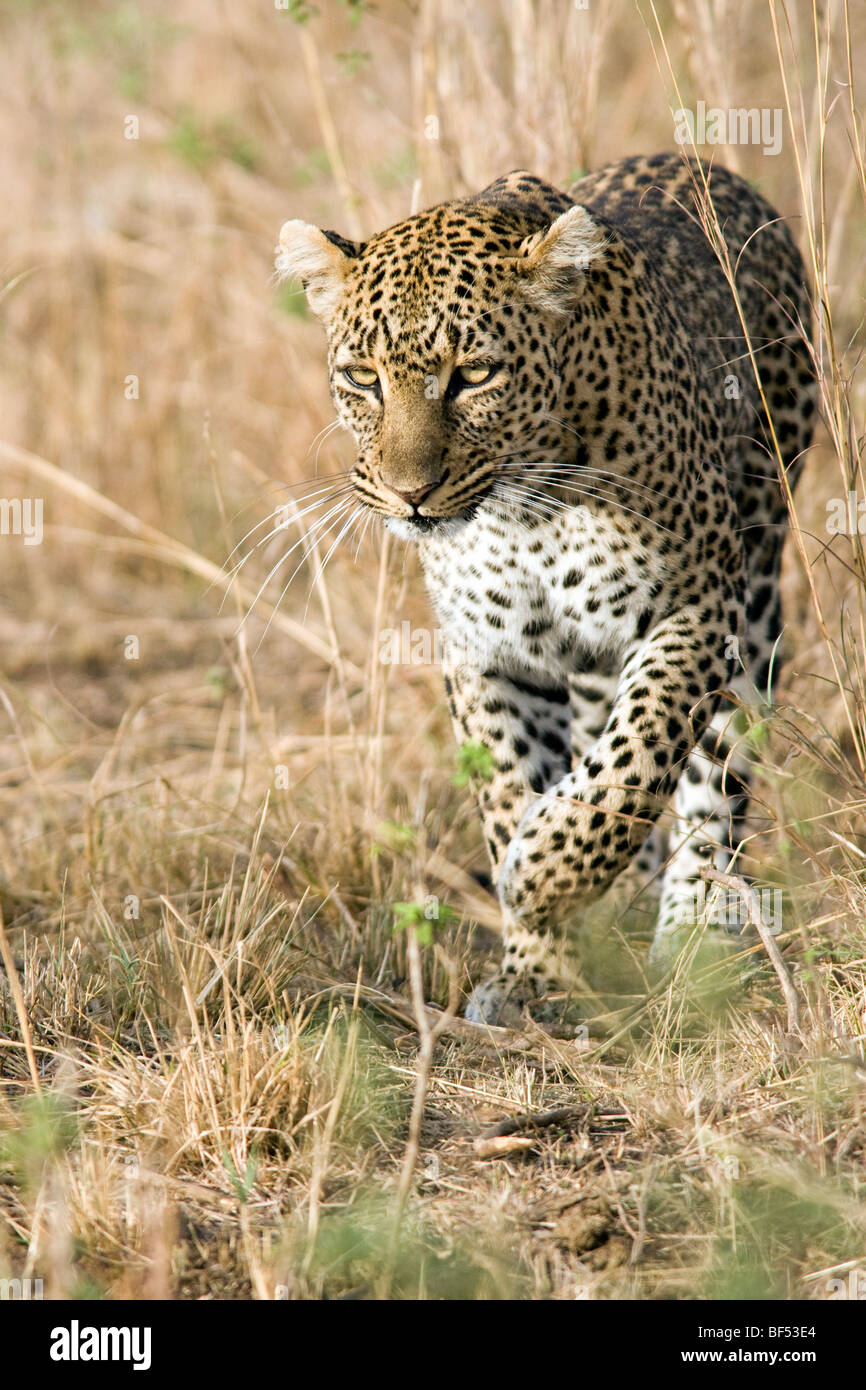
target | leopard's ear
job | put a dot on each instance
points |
(551, 264)
(320, 260)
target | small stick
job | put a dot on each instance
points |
(503, 1146)
(563, 1115)
(750, 898)
(428, 1035)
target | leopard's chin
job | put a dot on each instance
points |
(421, 528)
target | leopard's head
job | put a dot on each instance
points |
(442, 345)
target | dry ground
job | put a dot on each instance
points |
(207, 1082)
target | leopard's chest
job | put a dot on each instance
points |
(541, 599)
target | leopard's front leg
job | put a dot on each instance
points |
(575, 835)
(526, 727)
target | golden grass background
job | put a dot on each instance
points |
(201, 847)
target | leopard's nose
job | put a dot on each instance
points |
(413, 498)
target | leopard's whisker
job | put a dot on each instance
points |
(325, 437)
(555, 477)
(517, 459)
(347, 527)
(264, 521)
(578, 483)
(316, 478)
(370, 514)
(323, 434)
(580, 469)
(564, 424)
(313, 540)
(607, 497)
(308, 534)
(621, 480)
(297, 516)
(328, 494)
(528, 503)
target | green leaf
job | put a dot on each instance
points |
(475, 763)
(423, 918)
(299, 11)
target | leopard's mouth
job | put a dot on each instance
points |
(426, 524)
(418, 526)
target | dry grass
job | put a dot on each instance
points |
(201, 844)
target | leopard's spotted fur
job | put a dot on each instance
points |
(599, 520)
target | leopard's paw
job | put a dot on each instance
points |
(487, 1002)
(507, 999)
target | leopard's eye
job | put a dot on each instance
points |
(364, 377)
(472, 374)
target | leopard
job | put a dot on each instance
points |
(587, 409)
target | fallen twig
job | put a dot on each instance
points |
(502, 1146)
(562, 1115)
(500, 1139)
